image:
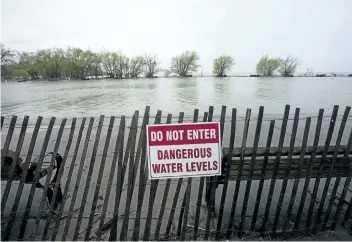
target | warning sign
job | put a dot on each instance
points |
(184, 150)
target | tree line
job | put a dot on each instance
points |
(75, 63)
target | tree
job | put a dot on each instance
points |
(288, 66)
(151, 65)
(92, 64)
(119, 65)
(267, 66)
(7, 60)
(222, 64)
(185, 64)
(108, 63)
(136, 66)
(7, 55)
(52, 61)
(76, 63)
(166, 72)
(29, 63)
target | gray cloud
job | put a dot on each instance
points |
(317, 31)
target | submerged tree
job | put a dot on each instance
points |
(288, 66)
(151, 65)
(107, 59)
(267, 66)
(52, 62)
(136, 66)
(167, 72)
(30, 64)
(7, 60)
(222, 64)
(184, 64)
(7, 55)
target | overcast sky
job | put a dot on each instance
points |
(318, 32)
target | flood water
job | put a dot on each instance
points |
(172, 95)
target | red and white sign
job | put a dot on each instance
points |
(184, 150)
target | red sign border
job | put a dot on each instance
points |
(185, 176)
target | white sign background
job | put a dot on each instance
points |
(215, 156)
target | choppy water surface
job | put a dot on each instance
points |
(172, 95)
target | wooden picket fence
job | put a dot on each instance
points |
(267, 189)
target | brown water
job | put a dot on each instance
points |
(172, 95)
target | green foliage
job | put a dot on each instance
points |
(51, 61)
(19, 73)
(29, 62)
(267, 66)
(75, 63)
(222, 64)
(185, 64)
(7, 60)
(7, 55)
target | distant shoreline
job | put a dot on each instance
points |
(169, 77)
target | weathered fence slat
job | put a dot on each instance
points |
(141, 142)
(110, 179)
(182, 210)
(346, 186)
(261, 182)
(89, 177)
(2, 121)
(164, 199)
(200, 195)
(48, 177)
(322, 161)
(133, 166)
(299, 169)
(141, 155)
(242, 164)
(152, 193)
(287, 171)
(227, 173)
(126, 214)
(23, 179)
(187, 196)
(68, 181)
(100, 176)
(176, 196)
(250, 175)
(13, 164)
(277, 162)
(8, 140)
(328, 178)
(180, 120)
(78, 179)
(57, 182)
(285, 150)
(143, 178)
(36, 179)
(119, 176)
(310, 168)
(230, 226)
(120, 180)
(210, 181)
(347, 214)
